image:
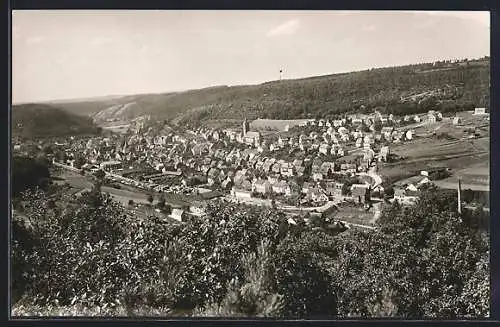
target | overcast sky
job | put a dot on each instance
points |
(77, 54)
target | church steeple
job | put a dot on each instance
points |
(246, 127)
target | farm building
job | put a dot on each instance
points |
(480, 111)
(359, 141)
(287, 169)
(407, 194)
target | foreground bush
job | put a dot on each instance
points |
(87, 255)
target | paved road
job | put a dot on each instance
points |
(377, 207)
(322, 208)
(358, 225)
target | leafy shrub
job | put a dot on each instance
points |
(239, 260)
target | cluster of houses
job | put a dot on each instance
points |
(245, 163)
(308, 192)
(222, 159)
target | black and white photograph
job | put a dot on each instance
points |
(321, 165)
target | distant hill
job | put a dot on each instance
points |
(41, 120)
(407, 89)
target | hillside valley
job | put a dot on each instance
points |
(446, 86)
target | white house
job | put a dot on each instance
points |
(261, 186)
(239, 193)
(279, 187)
(359, 141)
(384, 153)
(480, 111)
(178, 214)
(323, 148)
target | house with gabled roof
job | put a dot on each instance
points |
(178, 214)
(306, 187)
(384, 153)
(267, 165)
(324, 148)
(326, 169)
(279, 187)
(292, 189)
(227, 184)
(298, 163)
(287, 169)
(261, 186)
(334, 189)
(300, 170)
(316, 166)
(431, 118)
(317, 194)
(276, 168)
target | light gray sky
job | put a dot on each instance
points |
(76, 54)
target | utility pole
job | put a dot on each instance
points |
(281, 74)
(459, 197)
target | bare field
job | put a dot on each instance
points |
(468, 120)
(275, 124)
(354, 215)
(467, 158)
(223, 123)
(434, 149)
(475, 177)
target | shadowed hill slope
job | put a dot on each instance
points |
(41, 120)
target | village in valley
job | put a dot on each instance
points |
(250, 164)
(338, 170)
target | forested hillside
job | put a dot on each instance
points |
(407, 89)
(41, 120)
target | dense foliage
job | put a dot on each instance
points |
(238, 260)
(28, 173)
(40, 120)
